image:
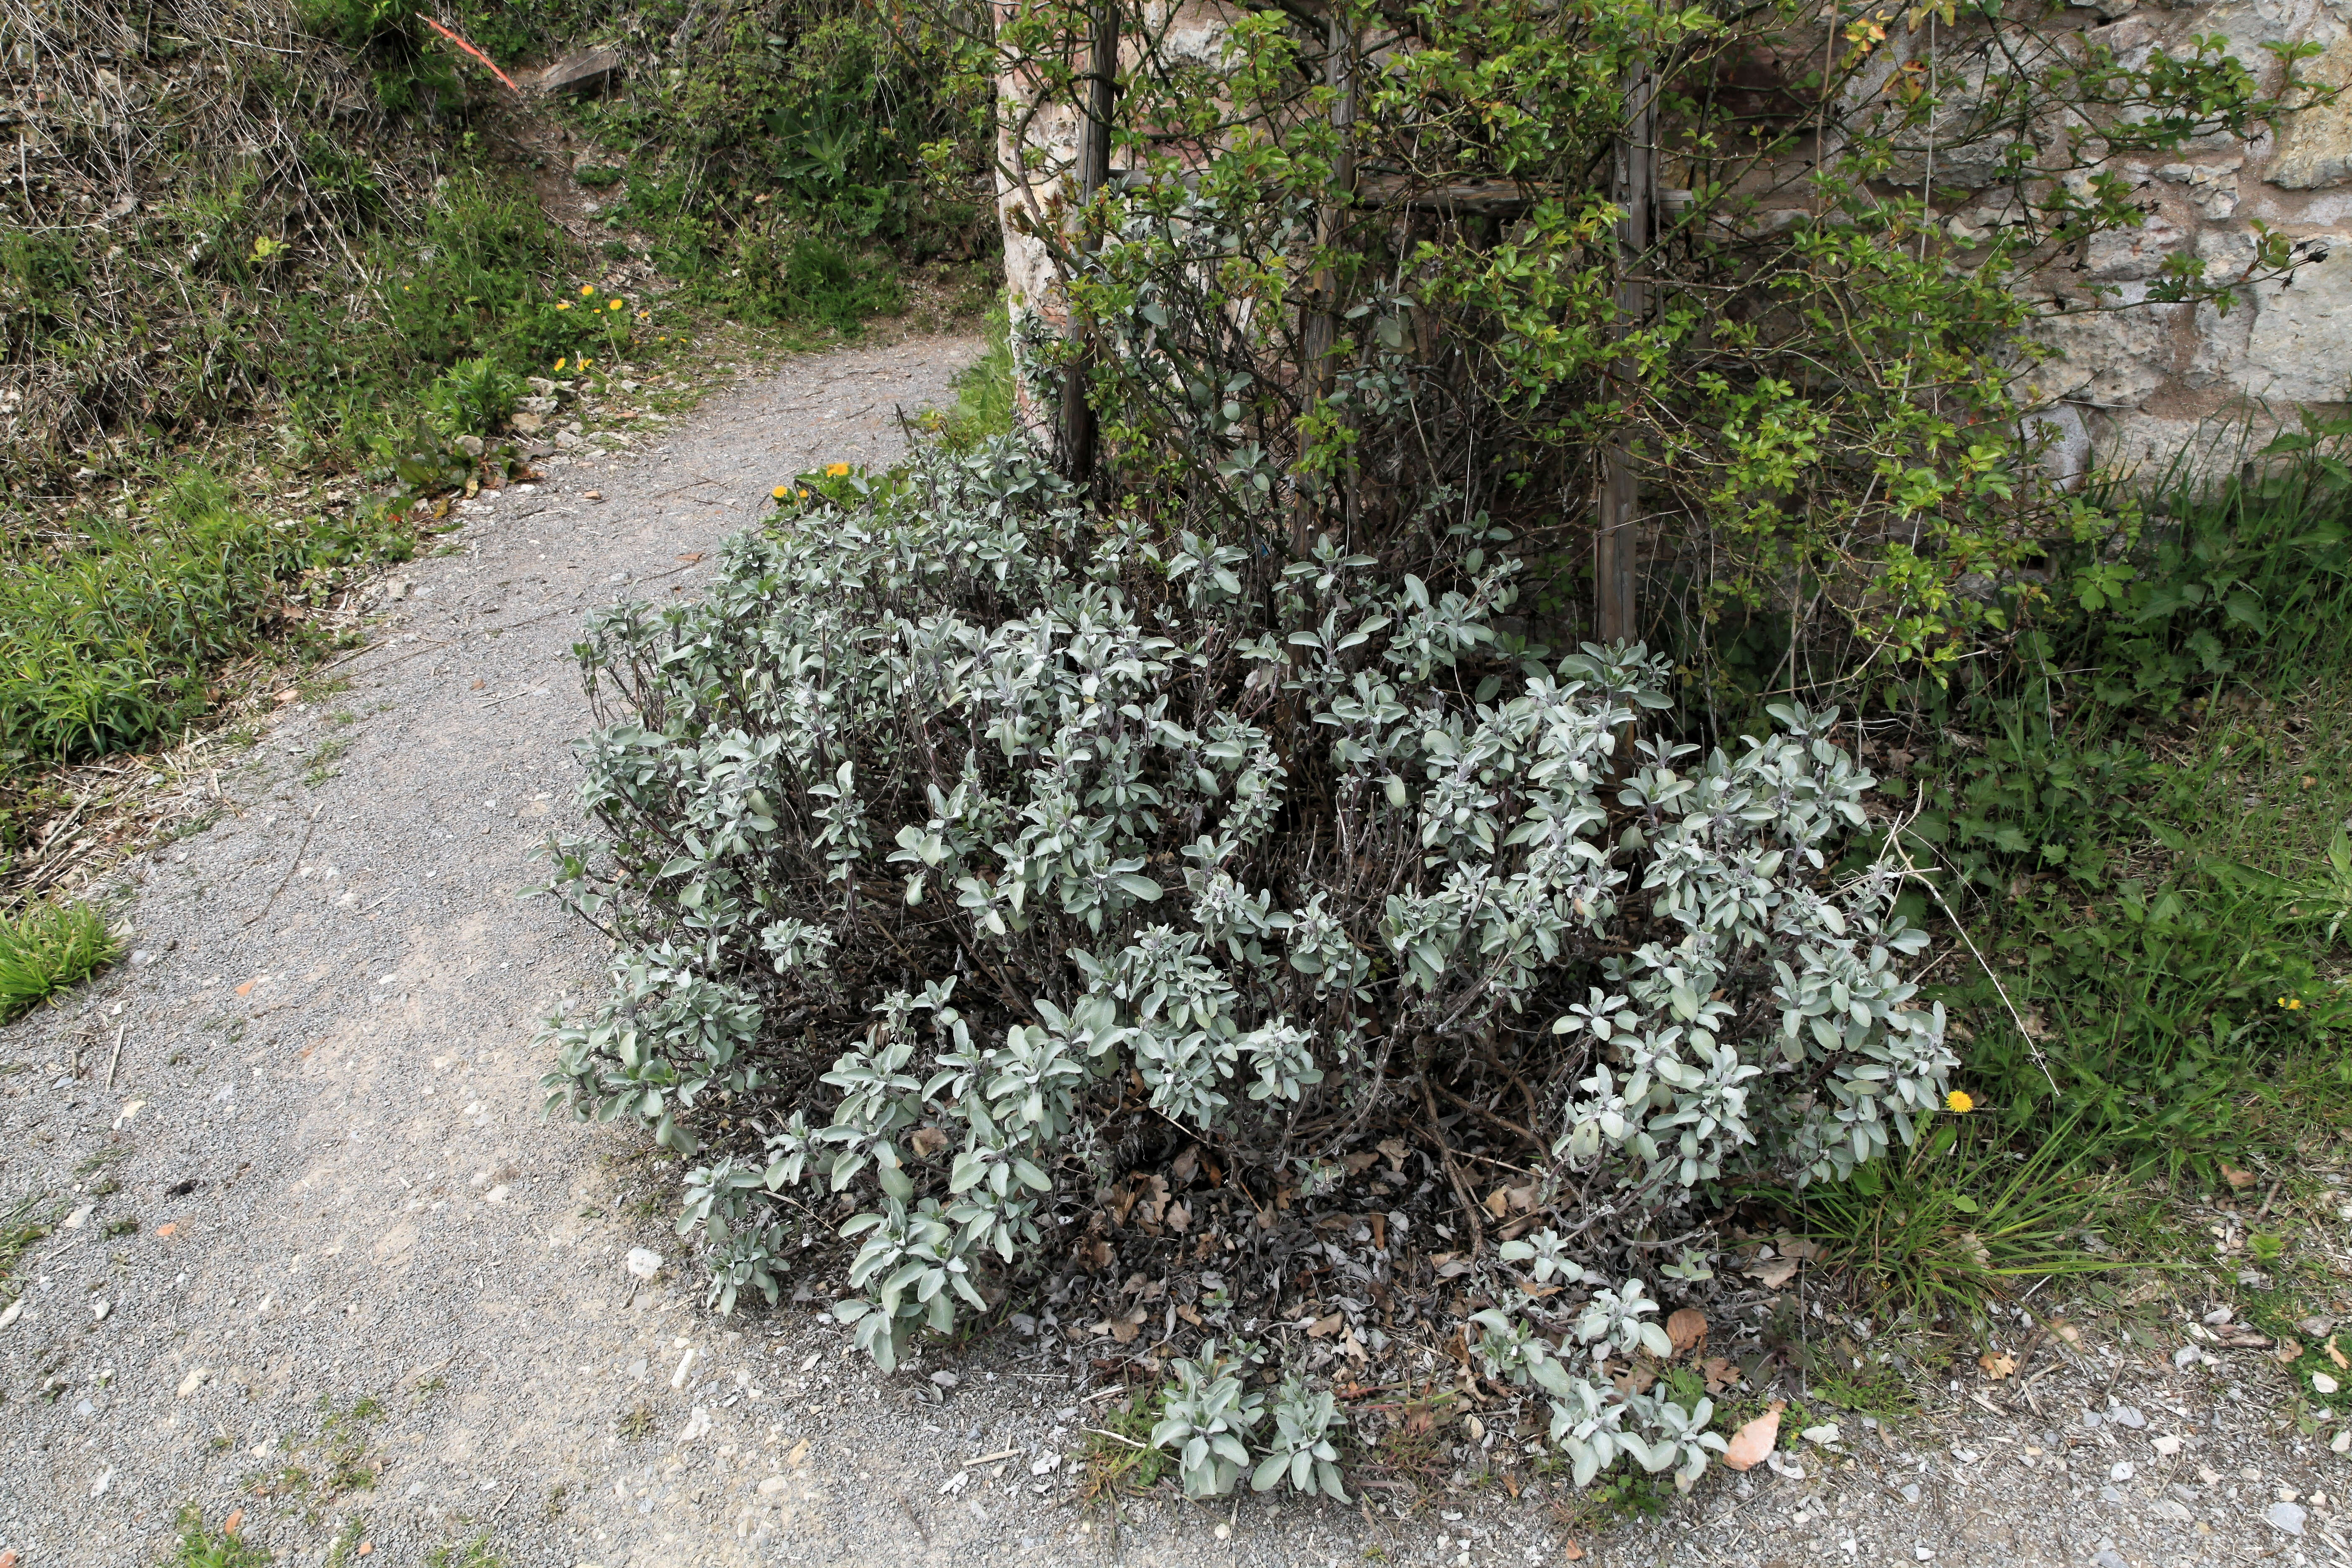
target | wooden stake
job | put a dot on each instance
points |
(1616, 539)
(1094, 174)
(1319, 315)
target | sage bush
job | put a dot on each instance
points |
(962, 837)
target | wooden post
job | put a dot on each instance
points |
(1319, 323)
(1615, 542)
(1094, 174)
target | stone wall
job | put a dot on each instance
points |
(2141, 386)
(2146, 385)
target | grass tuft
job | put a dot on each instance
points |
(47, 947)
(1960, 1218)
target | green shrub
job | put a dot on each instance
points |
(961, 837)
(48, 948)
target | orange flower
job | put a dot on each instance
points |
(835, 470)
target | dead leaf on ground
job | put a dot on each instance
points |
(1179, 1218)
(2336, 1355)
(2065, 1331)
(1752, 1442)
(1801, 1248)
(927, 1141)
(1496, 1202)
(1996, 1365)
(2239, 1179)
(2288, 1350)
(1721, 1374)
(1686, 1329)
(1124, 1329)
(1571, 1552)
(1186, 1164)
(1395, 1150)
(691, 556)
(1774, 1272)
(1324, 1328)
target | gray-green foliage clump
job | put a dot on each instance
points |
(961, 831)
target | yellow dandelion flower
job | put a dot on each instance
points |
(835, 470)
(586, 289)
(1959, 1103)
(564, 304)
(644, 315)
(781, 492)
(562, 363)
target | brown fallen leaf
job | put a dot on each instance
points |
(1774, 1272)
(1125, 1329)
(1380, 1231)
(1324, 1328)
(1496, 1202)
(2239, 1179)
(1686, 1329)
(165, 1230)
(1180, 1218)
(1571, 1552)
(1752, 1442)
(366, 1547)
(1395, 1150)
(2065, 1331)
(1800, 1249)
(927, 1141)
(246, 989)
(1188, 1163)
(691, 556)
(1720, 1373)
(1996, 1365)
(2336, 1355)
(2288, 1350)
(235, 1518)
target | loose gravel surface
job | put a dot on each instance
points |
(318, 1257)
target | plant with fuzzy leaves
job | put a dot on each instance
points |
(1206, 1417)
(1301, 1450)
(960, 827)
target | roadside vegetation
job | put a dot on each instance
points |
(280, 274)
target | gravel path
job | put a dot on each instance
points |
(320, 1259)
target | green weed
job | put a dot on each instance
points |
(475, 1554)
(28, 1220)
(983, 392)
(200, 1547)
(105, 644)
(47, 947)
(1119, 1460)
